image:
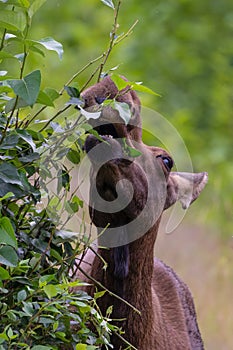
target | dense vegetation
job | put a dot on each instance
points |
(183, 51)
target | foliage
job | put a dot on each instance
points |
(41, 307)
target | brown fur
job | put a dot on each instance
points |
(167, 319)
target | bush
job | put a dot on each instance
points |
(39, 311)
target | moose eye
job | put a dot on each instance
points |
(100, 100)
(167, 161)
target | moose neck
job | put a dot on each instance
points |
(140, 269)
(135, 288)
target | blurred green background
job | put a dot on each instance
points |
(184, 51)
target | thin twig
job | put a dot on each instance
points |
(129, 32)
(90, 79)
(112, 39)
(3, 39)
(55, 116)
(81, 71)
(108, 291)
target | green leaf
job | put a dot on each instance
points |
(130, 151)
(8, 256)
(52, 93)
(99, 294)
(66, 235)
(73, 156)
(11, 104)
(142, 88)
(50, 290)
(5, 89)
(63, 180)
(29, 158)
(23, 134)
(4, 55)
(9, 174)
(22, 295)
(44, 280)
(72, 91)
(7, 195)
(119, 82)
(24, 3)
(81, 347)
(27, 88)
(133, 152)
(19, 3)
(51, 44)
(7, 234)
(4, 274)
(109, 3)
(12, 20)
(44, 99)
(28, 308)
(123, 109)
(34, 47)
(35, 7)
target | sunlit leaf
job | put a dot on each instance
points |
(142, 88)
(89, 115)
(124, 110)
(119, 82)
(50, 290)
(7, 195)
(81, 347)
(4, 55)
(109, 3)
(51, 44)
(24, 135)
(4, 274)
(12, 20)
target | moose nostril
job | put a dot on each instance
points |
(99, 100)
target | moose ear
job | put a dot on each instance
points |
(184, 187)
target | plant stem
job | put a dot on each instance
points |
(3, 39)
(112, 39)
(81, 71)
(55, 116)
(90, 78)
(107, 290)
(129, 32)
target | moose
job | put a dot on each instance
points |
(127, 198)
